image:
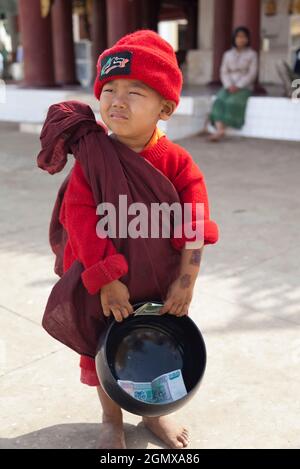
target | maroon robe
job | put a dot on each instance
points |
(72, 315)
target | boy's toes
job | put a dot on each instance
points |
(174, 435)
(178, 443)
(184, 437)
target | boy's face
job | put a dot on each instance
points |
(130, 108)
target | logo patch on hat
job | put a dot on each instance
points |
(116, 64)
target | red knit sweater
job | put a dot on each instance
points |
(99, 257)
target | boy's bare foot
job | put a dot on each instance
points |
(112, 435)
(174, 435)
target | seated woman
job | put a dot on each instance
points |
(238, 74)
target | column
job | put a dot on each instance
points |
(247, 13)
(199, 62)
(119, 21)
(206, 10)
(222, 34)
(99, 30)
(63, 46)
(137, 14)
(150, 14)
(191, 10)
(37, 43)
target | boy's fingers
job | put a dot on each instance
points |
(173, 309)
(106, 310)
(117, 314)
(185, 309)
(178, 311)
(184, 312)
(129, 307)
(166, 307)
(124, 312)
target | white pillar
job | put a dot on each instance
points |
(168, 30)
(206, 24)
(200, 61)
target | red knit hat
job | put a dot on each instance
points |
(145, 56)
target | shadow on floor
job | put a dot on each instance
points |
(78, 436)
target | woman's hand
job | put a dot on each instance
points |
(114, 299)
(233, 89)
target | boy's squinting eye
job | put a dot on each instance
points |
(131, 92)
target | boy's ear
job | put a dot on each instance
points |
(167, 109)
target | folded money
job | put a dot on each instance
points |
(166, 388)
(148, 308)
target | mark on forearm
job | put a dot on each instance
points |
(196, 257)
(185, 281)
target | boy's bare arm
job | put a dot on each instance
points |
(190, 264)
(180, 292)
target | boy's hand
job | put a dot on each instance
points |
(115, 299)
(179, 296)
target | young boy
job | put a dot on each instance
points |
(138, 83)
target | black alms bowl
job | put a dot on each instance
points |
(142, 348)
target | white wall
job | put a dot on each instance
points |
(275, 32)
(276, 27)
